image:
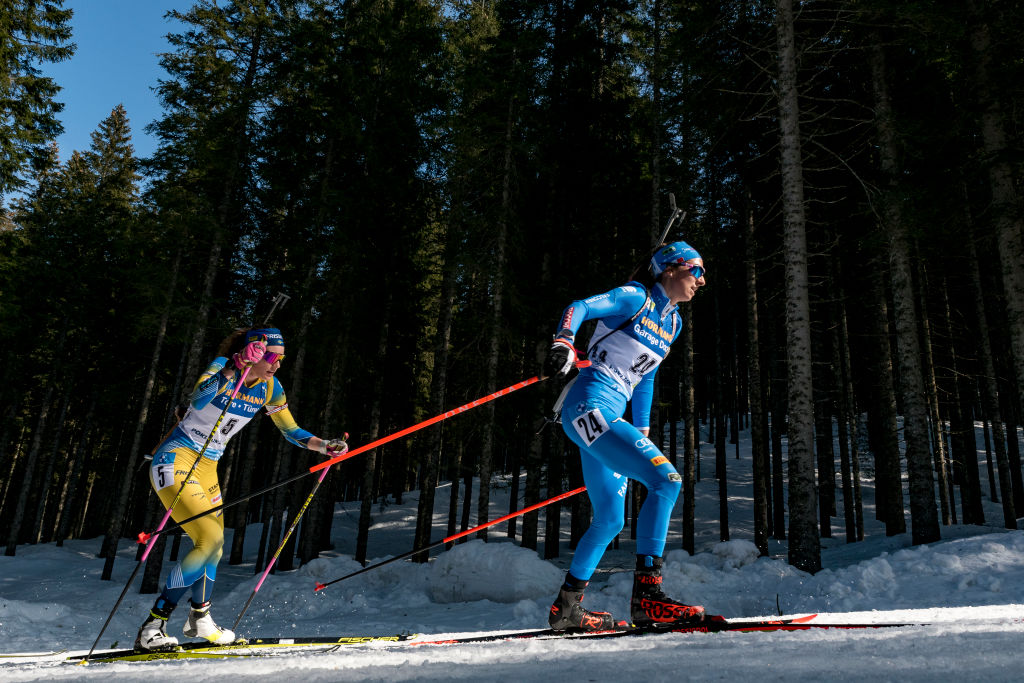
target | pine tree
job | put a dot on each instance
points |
(31, 34)
(804, 547)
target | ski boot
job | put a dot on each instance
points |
(201, 625)
(153, 636)
(567, 614)
(650, 606)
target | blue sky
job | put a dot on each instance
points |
(116, 63)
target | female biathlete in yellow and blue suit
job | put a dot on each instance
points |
(634, 332)
(261, 350)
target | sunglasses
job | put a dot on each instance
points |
(697, 271)
(272, 358)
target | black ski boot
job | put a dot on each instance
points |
(650, 606)
(153, 636)
(567, 614)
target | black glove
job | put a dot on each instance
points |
(561, 356)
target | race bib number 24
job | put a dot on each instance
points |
(590, 426)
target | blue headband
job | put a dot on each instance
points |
(677, 252)
(272, 334)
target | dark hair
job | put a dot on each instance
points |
(234, 342)
(644, 277)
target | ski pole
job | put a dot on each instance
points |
(281, 299)
(270, 565)
(170, 509)
(143, 537)
(676, 213)
(435, 419)
(536, 506)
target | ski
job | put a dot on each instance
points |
(264, 647)
(256, 647)
(30, 655)
(714, 624)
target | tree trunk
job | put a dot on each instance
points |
(1005, 205)
(757, 407)
(109, 549)
(923, 513)
(931, 386)
(240, 514)
(239, 149)
(689, 431)
(67, 501)
(370, 470)
(497, 272)
(1013, 447)
(339, 366)
(839, 400)
(823, 437)
(777, 424)
(804, 546)
(534, 479)
(467, 498)
(27, 482)
(964, 446)
(553, 512)
(7, 422)
(154, 564)
(274, 507)
(432, 448)
(882, 413)
(46, 482)
(989, 389)
(455, 473)
(720, 455)
(297, 493)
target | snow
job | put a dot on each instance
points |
(968, 590)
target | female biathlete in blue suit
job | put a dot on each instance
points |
(634, 331)
(261, 350)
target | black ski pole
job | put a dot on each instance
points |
(676, 213)
(281, 299)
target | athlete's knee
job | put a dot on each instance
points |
(666, 486)
(604, 534)
(608, 523)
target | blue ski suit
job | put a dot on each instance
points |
(635, 330)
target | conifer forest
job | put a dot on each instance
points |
(417, 188)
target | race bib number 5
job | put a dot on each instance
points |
(590, 426)
(163, 476)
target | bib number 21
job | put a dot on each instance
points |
(590, 426)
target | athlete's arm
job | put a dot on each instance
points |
(643, 394)
(210, 383)
(277, 408)
(621, 302)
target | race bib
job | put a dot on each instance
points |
(162, 475)
(590, 426)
